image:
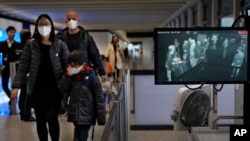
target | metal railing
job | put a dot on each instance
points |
(13, 66)
(118, 125)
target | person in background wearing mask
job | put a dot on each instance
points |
(8, 49)
(77, 38)
(24, 99)
(45, 59)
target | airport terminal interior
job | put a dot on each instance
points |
(173, 85)
(13, 129)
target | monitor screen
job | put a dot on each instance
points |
(201, 55)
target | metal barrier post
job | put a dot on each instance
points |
(13, 108)
(127, 105)
(121, 124)
(118, 124)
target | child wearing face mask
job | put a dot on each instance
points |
(86, 104)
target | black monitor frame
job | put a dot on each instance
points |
(203, 72)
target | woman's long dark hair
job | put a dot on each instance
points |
(112, 40)
(37, 35)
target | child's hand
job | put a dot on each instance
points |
(75, 70)
(69, 70)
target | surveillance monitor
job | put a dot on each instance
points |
(201, 55)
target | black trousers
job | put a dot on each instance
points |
(48, 115)
(24, 103)
(5, 80)
(83, 132)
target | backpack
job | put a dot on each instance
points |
(86, 80)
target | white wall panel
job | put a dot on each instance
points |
(6, 22)
(101, 39)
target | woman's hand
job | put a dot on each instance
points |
(13, 93)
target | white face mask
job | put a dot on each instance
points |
(44, 30)
(72, 24)
(76, 70)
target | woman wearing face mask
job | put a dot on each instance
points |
(45, 59)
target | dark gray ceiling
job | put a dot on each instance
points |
(120, 16)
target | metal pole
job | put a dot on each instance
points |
(13, 108)
(214, 107)
(127, 105)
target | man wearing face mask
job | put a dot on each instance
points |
(77, 38)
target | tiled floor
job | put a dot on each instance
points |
(13, 129)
